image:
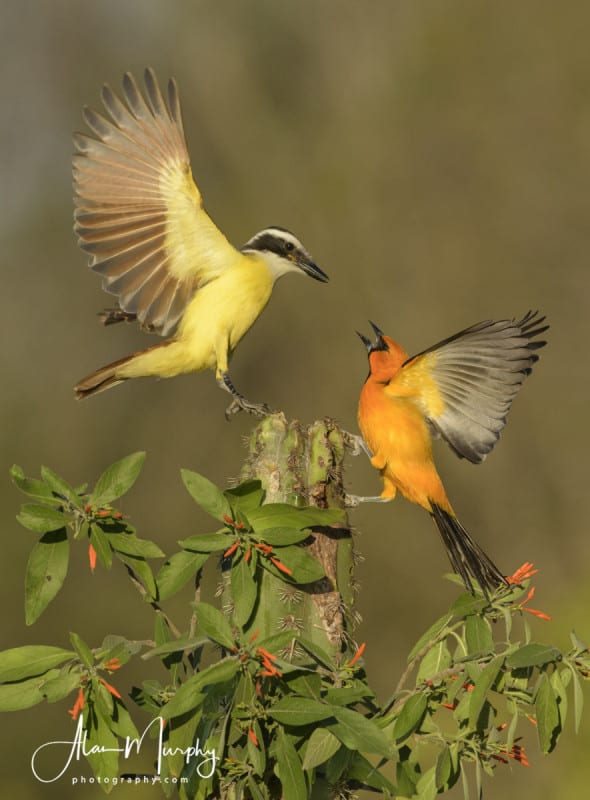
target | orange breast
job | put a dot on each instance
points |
(397, 434)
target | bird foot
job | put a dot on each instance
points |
(241, 404)
(354, 500)
(355, 444)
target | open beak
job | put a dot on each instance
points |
(378, 344)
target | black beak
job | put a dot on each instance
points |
(311, 268)
(378, 344)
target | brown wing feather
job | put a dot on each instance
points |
(138, 212)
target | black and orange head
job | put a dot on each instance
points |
(385, 355)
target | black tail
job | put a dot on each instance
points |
(467, 558)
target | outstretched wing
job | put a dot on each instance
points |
(468, 382)
(138, 212)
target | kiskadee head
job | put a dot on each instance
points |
(283, 252)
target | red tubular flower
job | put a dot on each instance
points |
(522, 573)
(78, 705)
(518, 754)
(533, 611)
(280, 566)
(110, 688)
(231, 549)
(92, 557)
(228, 520)
(112, 665)
(267, 662)
(357, 655)
(252, 736)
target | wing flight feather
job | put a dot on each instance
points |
(466, 383)
(138, 212)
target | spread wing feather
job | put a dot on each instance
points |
(476, 374)
(138, 213)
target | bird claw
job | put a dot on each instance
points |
(241, 404)
(355, 444)
(354, 500)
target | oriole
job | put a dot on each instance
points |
(140, 216)
(461, 389)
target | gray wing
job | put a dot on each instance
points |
(478, 373)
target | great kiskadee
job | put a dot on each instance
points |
(461, 389)
(140, 216)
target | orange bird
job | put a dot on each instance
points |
(461, 389)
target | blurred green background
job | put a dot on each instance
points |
(435, 159)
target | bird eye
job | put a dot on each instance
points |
(289, 246)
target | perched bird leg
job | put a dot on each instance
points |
(239, 402)
(355, 444)
(354, 500)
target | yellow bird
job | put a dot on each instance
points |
(140, 216)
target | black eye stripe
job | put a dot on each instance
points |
(271, 243)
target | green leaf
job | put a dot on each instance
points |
(435, 630)
(206, 494)
(321, 746)
(119, 647)
(304, 567)
(533, 655)
(55, 689)
(283, 515)
(101, 746)
(280, 537)
(244, 591)
(192, 692)
(47, 568)
(478, 635)
(177, 571)
(305, 684)
(245, 497)
(176, 646)
(256, 753)
(60, 487)
(82, 649)
(142, 571)
(24, 662)
(411, 716)
(100, 542)
(31, 486)
(359, 733)
(208, 542)
(24, 694)
(482, 686)
(547, 714)
(41, 519)
(467, 603)
(130, 544)
(365, 774)
(348, 695)
(426, 788)
(436, 659)
(578, 698)
(289, 769)
(121, 723)
(213, 623)
(316, 652)
(116, 480)
(300, 711)
(447, 767)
